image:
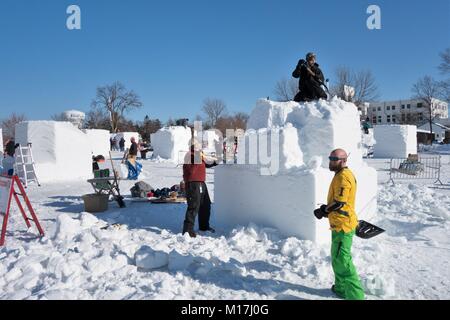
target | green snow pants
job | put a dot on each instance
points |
(347, 284)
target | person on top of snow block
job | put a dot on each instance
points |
(311, 79)
(197, 196)
(340, 211)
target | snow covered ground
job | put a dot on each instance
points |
(139, 253)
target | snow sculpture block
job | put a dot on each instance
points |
(395, 141)
(171, 143)
(99, 140)
(285, 199)
(61, 151)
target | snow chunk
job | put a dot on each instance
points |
(147, 258)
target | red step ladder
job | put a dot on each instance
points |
(7, 192)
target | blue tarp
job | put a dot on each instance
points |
(133, 172)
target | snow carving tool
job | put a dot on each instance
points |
(118, 198)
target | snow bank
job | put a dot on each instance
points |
(283, 176)
(99, 140)
(61, 151)
(127, 136)
(395, 141)
(171, 143)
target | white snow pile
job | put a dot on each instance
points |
(61, 151)
(99, 140)
(282, 170)
(395, 141)
(171, 143)
(139, 253)
(86, 258)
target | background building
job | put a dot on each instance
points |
(405, 111)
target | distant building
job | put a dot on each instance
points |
(439, 130)
(405, 111)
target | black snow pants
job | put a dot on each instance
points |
(198, 201)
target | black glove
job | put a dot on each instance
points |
(321, 212)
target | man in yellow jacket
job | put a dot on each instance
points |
(340, 210)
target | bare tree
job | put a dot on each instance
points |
(427, 89)
(363, 81)
(237, 121)
(444, 68)
(116, 100)
(97, 119)
(213, 109)
(9, 125)
(286, 89)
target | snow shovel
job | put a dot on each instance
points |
(366, 230)
(118, 198)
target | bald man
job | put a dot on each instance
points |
(340, 211)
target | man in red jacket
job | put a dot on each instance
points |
(194, 175)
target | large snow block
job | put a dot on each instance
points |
(322, 125)
(276, 149)
(99, 140)
(285, 201)
(395, 141)
(171, 143)
(61, 151)
(127, 136)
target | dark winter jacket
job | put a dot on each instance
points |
(309, 85)
(10, 148)
(133, 149)
(193, 172)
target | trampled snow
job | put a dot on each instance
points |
(395, 141)
(171, 143)
(86, 256)
(284, 168)
(60, 150)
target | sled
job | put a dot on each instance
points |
(366, 230)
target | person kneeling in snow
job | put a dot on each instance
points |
(198, 201)
(340, 211)
(311, 79)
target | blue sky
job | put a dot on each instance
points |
(175, 53)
